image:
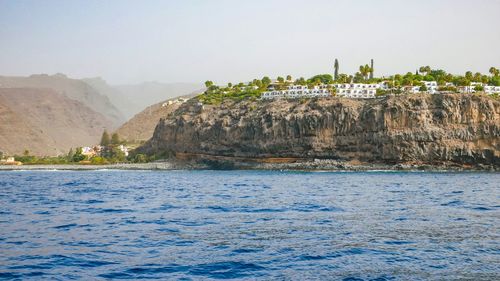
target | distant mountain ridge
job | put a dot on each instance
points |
(72, 88)
(48, 114)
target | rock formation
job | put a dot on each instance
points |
(432, 129)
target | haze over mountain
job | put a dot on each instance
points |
(150, 93)
(49, 114)
(46, 122)
(74, 89)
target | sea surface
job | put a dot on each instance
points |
(253, 225)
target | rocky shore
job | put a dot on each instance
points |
(304, 165)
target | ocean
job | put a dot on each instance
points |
(251, 225)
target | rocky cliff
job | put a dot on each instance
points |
(432, 129)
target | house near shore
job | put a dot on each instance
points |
(10, 161)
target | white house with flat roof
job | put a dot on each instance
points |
(348, 90)
(296, 91)
(356, 90)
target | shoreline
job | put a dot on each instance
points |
(315, 165)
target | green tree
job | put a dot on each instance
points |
(69, 157)
(323, 78)
(423, 88)
(380, 92)
(229, 85)
(26, 152)
(78, 156)
(425, 69)
(494, 71)
(364, 70)
(477, 77)
(209, 83)
(343, 78)
(280, 79)
(140, 158)
(336, 69)
(1, 154)
(358, 77)
(469, 75)
(289, 78)
(478, 88)
(115, 139)
(105, 138)
(266, 81)
(495, 81)
(301, 81)
(98, 160)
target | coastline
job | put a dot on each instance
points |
(308, 165)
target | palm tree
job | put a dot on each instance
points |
(469, 75)
(494, 71)
(364, 70)
(425, 69)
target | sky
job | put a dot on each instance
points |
(127, 42)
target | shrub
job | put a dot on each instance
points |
(140, 158)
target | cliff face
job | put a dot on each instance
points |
(430, 129)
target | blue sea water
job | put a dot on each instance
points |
(253, 225)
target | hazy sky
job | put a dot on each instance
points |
(192, 41)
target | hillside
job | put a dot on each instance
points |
(422, 128)
(140, 128)
(46, 122)
(72, 88)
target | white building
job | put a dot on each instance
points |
(432, 86)
(88, 151)
(487, 89)
(296, 91)
(124, 149)
(492, 90)
(357, 90)
(361, 90)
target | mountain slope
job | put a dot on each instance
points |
(46, 122)
(141, 127)
(72, 88)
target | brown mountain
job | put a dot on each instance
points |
(46, 122)
(72, 88)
